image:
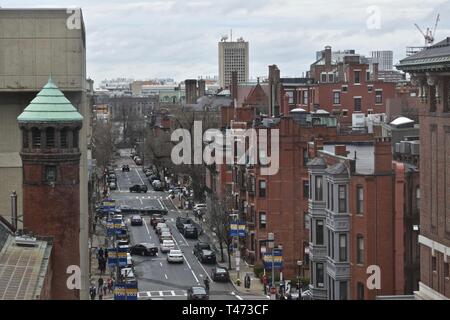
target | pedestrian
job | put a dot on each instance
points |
(100, 294)
(106, 253)
(110, 285)
(105, 289)
(265, 283)
(92, 292)
(100, 252)
(100, 284)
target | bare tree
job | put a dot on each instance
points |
(103, 147)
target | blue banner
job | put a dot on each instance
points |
(117, 257)
(237, 229)
(277, 259)
(126, 291)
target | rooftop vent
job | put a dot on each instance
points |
(25, 241)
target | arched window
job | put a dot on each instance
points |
(50, 137)
(36, 137)
(63, 137)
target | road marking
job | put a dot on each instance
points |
(139, 176)
(206, 272)
(172, 219)
(240, 298)
(165, 275)
(160, 264)
(187, 262)
(141, 201)
(146, 227)
(173, 293)
(184, 238)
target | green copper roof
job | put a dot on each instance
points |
(50, 105)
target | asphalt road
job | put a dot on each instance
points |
(157, 279)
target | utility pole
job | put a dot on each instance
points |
(271, 244)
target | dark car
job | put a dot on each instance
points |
(153, 178)
(181, 222)
(150, 210)
(126, 209)
(190, 231)
(139, 188)
(111, 178)
(136, 220)
(199, 246)
(157, 218)
(197, 293)
(220, 274)
(125, 167)
(207, 256)
(144, 249)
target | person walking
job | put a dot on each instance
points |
(100, 284)
(105, 253)
(265, 283)
(206, 282)
(92, 292)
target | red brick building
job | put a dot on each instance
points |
(51, 171)
(429, 71)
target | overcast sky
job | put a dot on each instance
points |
(178, 38)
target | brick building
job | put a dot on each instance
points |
(50, 154)
(429, 70)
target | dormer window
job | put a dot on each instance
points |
(63, 137)
(50, 137)
(36, 137)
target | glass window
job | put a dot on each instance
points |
(342, 247)
(357, 77)
(319, 275)
(50, 173)
(319, 232)
(305, 188)
(357, 104)
(433, 264)
(319, 189)
(336, 97)
(262, 188)
(323, 77)
(343, 290)
(330, 77)
(305, 97)
(446, 270)
(418, 197)
(63, 138)
(367, 75)
(359, 200)
(344, 88)
(360, 249)
(50, 137)
(342, 198)
(262, 220)
(378, 96)
(360, 291)
(36, 137)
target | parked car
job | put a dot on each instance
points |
(175, 256)
(137, 220)
(220, 274)
(153, 177)
(165, 236)
(138, 161)
(190, 231)
(199, 208)
(112, 185)
(157, 218)
(144, 249)
(181, 221)
(139, 188)
(199, 246)
(207, 256)
(197, 293)
(167, 245)
(126, 168)
(159, 226)
(130, 262)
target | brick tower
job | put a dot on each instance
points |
(50, 154)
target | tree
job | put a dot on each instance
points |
(103, 147)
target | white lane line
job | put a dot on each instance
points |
(139, 176)
(160, 264)
(206, 272)
(184, 239)
(187, 262)
(146, 227)
(141, 201)
(162, 206)
(240, 298)
(165, 275)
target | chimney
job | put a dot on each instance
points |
(191, 91)
(375, 71)
(383, 155)
(274, 80)
(285, 108)
(340, 150)
(327, 54)
(234, 85)
(201, 88)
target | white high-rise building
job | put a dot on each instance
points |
(233, 56)
(384, 59)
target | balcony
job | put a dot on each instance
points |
(338, 270)
(317, 252)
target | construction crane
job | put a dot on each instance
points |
(429, 34)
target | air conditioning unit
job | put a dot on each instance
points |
(397, 147)
(415, 147)
(25, 241)
(405, 147)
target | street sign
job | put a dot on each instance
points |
(277, 260)
(237, 229)
(126, 291)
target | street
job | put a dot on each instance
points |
(157, 279)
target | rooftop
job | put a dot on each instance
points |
(434, 57)
(50, 105)
(365, 163)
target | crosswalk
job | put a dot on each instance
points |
(161, 294)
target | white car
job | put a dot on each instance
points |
(159, 226)
(129, 260)
(167, 245)
(165, 236)
(175, 256)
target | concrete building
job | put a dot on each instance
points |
(383, 58)
(191, 91)
(36, 43)
(429, 71)
(233, 56)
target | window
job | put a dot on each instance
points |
(305, 157)
(343, 290)
(305, 188)
(369, 89)
(262, 188)
(50, 137)
(331, 197)
(433, 264)
(36, 137)
(342, 199)
(323, 77)
(262, 220)
(305, 97)
(357, 77)
(336, 97)
(418, 197)
(344, 88)
(329, 242)
(342, 247)
(378, 96)
(345, 112)
(330, 77)
(328, 196)
(357, 103)
(310, 192)
(360, 249)
(359, 200)
(319, 275)
(319, 232)
(367, 75)
(360, 291)
(291, 96)
(63, 137)
(446, 269)
(319, 189)
(50, 174)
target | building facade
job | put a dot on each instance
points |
(429, 70)
(233, 56)
(383, 58)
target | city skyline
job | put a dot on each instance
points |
(178, 39)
